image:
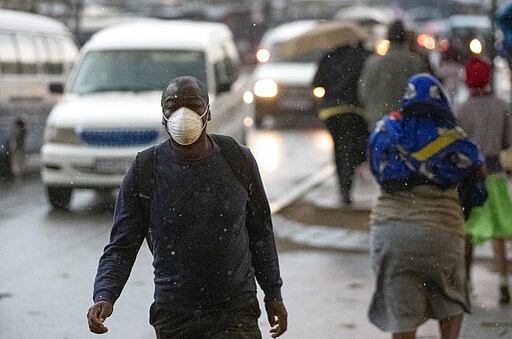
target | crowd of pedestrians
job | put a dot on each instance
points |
(442, 186)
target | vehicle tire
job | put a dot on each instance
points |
(59, 197)
(5, 172)
(13, 161)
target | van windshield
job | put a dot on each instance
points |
(135, 70)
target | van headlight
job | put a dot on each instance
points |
(319, 92)
(61, 136)
(265, 88)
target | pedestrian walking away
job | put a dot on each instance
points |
(450, 70)
(383, 76)
(488, 120)
(419, 156)
(199, 201)
(338, 73)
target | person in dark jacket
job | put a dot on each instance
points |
(208, 239)
(338, 73)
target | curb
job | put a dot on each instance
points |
(301, 188)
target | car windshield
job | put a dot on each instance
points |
(135, 70)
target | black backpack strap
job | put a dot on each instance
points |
(237, 159)
(243, 169)
(146, 171)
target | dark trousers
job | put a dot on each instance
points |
(235, 319)
(349, 133)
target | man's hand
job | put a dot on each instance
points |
(97, 315)
(277, 317)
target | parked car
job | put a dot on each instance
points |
(35, 51)
(111, 104)
(282, 85)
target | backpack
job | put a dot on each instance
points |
(146, 171)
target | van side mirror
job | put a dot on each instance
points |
(223, 87)
(57, 88)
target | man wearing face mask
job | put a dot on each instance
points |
(211, 243)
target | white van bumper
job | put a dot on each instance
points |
(85, 167)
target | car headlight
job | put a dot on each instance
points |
(265, 88)
(248, 97)
(382, 47)
(319, 92)
(475, 46)
(61, 136)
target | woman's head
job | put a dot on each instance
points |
(424, 93)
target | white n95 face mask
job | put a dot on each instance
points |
(185, 126)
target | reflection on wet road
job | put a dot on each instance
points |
(286, 157)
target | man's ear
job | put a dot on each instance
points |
(163, 117)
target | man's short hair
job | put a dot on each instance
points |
(184, 80)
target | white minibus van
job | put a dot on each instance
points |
(35, 52)
(111, 104)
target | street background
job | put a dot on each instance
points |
(48, 258)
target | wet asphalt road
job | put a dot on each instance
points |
(48, 261)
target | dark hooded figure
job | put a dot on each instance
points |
(338, 73)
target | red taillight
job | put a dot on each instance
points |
(426, 40)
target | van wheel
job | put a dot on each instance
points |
(12, 160)
(59, 197)
(11, 165)
(16, 155)
(5, 172)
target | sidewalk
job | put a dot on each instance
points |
(351, 233)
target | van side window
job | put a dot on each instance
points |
(8, 62)
(231, 62)
(27, 54)
(70, 51)
(54, 64)
(232, 69)
(42, 51)
(221, 73)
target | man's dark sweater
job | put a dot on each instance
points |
(209, 240)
